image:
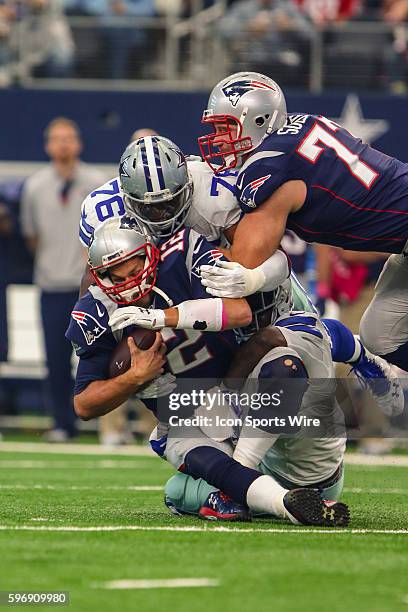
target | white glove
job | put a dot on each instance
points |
(149, 318)
(231, 280)
(159, 387)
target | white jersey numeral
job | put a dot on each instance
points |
(310, 150)
(183, 357)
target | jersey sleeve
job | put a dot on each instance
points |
(214, 204)
(200, 252)
(101, 204)
(92, 340)
(260, 180)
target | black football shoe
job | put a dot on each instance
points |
(306, 507)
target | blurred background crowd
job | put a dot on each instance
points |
(313, 43)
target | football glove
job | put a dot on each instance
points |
(149, 318)
(231, 280)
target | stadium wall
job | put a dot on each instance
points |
(108, 118)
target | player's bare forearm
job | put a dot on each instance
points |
(260, 232)
(103, 396)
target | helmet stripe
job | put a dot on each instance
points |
(157, 159)
(145, 165)
(154, 176)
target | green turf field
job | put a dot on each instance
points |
(260, 566)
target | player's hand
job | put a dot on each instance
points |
(149, 318)
(159, 387)
(228, 279)
(146, 365)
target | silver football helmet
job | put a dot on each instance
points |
(243, 109)
(156, 184)
(114, 242)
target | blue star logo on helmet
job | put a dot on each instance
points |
(123, 168)
(235, 90)
(181, 158)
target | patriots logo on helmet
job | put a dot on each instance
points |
(249, 192)
(127, 222)
(234, 91)
(90, 327)
(123, 168)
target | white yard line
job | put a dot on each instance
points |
(96, 487)
(194, 529)
(375, 491)
(377, 461)
(172, 583)
(145, 451)
(79, 465)
(76, 449)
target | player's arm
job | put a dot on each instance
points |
(259, 233)
(208, 314)
(102, 396)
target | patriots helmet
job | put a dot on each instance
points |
(156, 184)
(114, 242)
(243, 109)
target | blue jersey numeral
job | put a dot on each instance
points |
(104, 209)
(219, 180)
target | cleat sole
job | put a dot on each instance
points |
(308, 508)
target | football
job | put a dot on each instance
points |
(120, 359)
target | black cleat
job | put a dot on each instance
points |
(306, 507)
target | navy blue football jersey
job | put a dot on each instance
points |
(357, 197)
(190, 353)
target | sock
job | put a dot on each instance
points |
(266, 495)
(220, 471)
(250, 450)
(346, 348)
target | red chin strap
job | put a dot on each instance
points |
(210, 143)
(149, 273)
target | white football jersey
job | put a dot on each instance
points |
(214, 205)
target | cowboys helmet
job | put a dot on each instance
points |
(156, 184)
(243, 109)
(114, 242)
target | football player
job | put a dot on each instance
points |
(124, 264)
(153, 186)
(309, 174)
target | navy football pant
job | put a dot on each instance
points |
(56, 309)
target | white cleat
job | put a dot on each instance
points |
(381, 380)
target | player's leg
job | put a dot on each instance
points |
(372, 371)
(184, 494)
(204, 458)
(384, 325)
(284, 369)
